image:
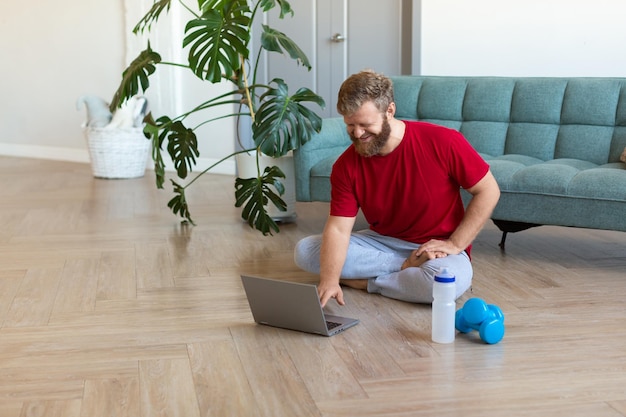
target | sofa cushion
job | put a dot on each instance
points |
(320, 179)
(489, 137)
(505, 167)
(504, 171)
(532, 139)
(441, 99)
(591, 143)
(488, 99)
(604, 182)
(406, 91)
(560, 177)
(323, 167)
(590, 102)
(618, 144)
(537, 100)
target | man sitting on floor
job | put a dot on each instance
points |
(405, 177)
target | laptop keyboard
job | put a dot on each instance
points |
(331, 325)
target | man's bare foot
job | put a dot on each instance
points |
(414, 261)
(357, 284)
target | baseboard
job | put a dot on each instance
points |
(53, 153)
(56, 153)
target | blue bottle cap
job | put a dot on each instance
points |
(444, 276)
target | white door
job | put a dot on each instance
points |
(341, 37)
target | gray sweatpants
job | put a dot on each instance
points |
(379, 258)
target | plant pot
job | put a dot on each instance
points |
(117, 153)
(246, 168)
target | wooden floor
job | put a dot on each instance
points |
(108, 307)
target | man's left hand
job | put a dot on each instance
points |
(434, 245)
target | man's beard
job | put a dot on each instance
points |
(376, 144)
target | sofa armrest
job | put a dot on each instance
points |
(331, 141)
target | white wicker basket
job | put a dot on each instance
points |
(117, 153)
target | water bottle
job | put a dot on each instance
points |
(444, 306)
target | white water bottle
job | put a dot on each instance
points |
(444, 307)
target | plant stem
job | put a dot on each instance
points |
(188, 9)
(217, 163)
(246, 87)
(221, 117)
(174, 64)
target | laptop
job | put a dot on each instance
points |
(291, 305)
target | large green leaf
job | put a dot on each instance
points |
(282, 123)
(206, 5)
(152, 16)
(218, 39)
(182, 146)
(276, 41)
(178, 204)
(158, 131)
(255, 193)
(136, 75)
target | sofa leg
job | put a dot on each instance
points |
(501, 244)
(507, 226)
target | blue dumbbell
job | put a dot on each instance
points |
(486, 318)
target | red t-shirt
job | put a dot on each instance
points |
(413, 193)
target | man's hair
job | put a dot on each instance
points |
(362, 87)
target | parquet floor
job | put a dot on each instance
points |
(108, 307)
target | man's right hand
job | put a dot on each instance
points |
(328, 291)
(417, 259)
(335, 242)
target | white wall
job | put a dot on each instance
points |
(523, 37)
(53, 52)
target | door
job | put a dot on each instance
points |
(341, 37)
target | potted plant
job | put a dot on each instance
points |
(218, 37)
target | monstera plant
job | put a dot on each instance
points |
(218, 40)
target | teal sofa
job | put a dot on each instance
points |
(553, 144)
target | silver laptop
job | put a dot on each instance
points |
(291, 305)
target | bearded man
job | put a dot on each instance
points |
(405, 177)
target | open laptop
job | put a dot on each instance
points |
(291, 305)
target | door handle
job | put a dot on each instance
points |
(337, 38)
